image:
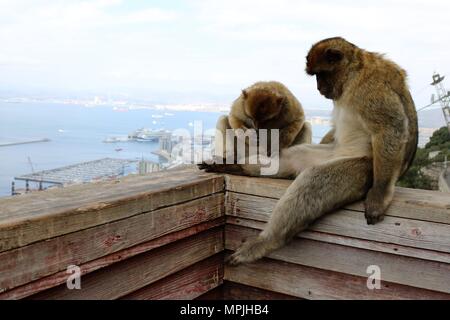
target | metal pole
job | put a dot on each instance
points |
(443, 96)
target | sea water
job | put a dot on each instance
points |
(77, 133)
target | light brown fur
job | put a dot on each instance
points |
(372, 143)
(268, 105)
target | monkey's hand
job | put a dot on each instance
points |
(212, 165)
(220, 166)
(375, 206)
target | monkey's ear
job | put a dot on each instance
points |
(244, 94)
(333, 55)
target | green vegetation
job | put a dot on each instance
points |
(414, 178)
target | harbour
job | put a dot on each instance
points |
(76, 135)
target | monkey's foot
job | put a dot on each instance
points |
(374, 208)
(250, 251)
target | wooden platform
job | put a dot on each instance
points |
(165, 236)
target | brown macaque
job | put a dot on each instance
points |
(372, 143)
(267, 105)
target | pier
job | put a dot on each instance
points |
(15, 143)
(79, 173)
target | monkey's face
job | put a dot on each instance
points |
(327, 61)
(262, 105)
(326, 85)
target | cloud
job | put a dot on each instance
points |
(210, 45)
(148, 15)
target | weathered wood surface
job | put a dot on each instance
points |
(25, 264)
(354, 261)
(161, 237)
(43, 215)
(312, 283)
(214, 294)
(187, 284)
(127, 276)
(407, 203)
(393, 230)
(352, 242)
(236, 291)
(61, 277)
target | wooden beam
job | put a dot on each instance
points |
(186, 284)
(407, 203)
(91, 266)
(214, 294)
(43, 215)
(237, 291)
(352, 242)
(127, 276)
(394, 230)
(32, 262)
(331, 257)
(312, 283)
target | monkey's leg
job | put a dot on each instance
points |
(328, 138)
(291, 162)
(316, 191)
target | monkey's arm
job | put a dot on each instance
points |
(329, 137)
(387, 124)
(236, 123)
(289, 133)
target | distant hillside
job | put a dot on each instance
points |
(425, 170)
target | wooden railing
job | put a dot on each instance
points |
(165, 236)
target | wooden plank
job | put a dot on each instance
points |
(408, 203)
(395, 230)
(263, 187)
(132, 274)
(214, 294)
(186, 284)
(397, 269)
(312, 283)
(237, 291)
(25, 264)
(43, 215)
(423, 205)
(352, 242)
(91, 266)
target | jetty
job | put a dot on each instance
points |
(166, 235)
(15, 143)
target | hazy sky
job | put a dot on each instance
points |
(206, 47)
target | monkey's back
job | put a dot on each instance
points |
(293, 112)
(383, 72)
